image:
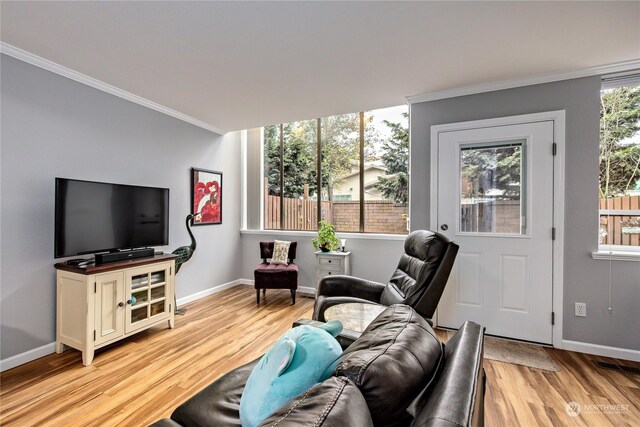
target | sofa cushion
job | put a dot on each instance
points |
(336, 402)
(396, 357)
(276, 268)
(218, 403)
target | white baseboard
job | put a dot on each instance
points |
(207, 292)
(36, 353)
(602, 350)
(27, 356)
(307, 290)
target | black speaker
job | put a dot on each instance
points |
(123, 255)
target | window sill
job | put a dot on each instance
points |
(365, 236)
(616, 255)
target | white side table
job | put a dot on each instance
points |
(332, 263)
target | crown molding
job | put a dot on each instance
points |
(43, 63)
(617, 67)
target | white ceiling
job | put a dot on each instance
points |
(237, 65)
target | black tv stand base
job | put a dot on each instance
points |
(123, 255)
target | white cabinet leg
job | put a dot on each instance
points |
(172, 322)
(87, 356)
(59, 347)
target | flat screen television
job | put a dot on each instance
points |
(92, 217)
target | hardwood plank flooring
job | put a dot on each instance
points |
(142, 379)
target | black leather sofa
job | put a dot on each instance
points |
(397, 373)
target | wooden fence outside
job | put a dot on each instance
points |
(381, 216)
(618, 227)
(492, 216)
(300, 214)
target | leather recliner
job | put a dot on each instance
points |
(418, 281)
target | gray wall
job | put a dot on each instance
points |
(585, 280)
(53, 126)
(255, 180)
(371, 259)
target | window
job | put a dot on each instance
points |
(386, 171)
(620, 164)
(492, 188)
(340, 152)
(359, 163)
(290, 164)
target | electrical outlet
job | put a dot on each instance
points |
(581, 309)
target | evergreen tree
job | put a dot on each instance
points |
(299, 158)
(395, 185)
(492, 168)
(619, 120)
(272, 158)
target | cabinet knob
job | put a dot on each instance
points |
(120, 304)
(329, 273)
(129, 301)
(329, 261)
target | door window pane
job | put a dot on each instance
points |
(492, 198)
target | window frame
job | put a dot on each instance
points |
(361, 187)
(617, 252)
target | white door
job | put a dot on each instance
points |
(495, 199)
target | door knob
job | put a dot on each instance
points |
(444, 227)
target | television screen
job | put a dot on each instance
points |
(95, 217)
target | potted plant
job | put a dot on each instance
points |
(326, 240)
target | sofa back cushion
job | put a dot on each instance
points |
(334, 402)
(396, 357)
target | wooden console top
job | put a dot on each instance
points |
(118, 265)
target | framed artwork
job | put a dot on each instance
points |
(206, 196)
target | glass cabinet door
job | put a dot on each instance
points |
(147, 292)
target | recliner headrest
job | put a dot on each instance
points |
(419, 242)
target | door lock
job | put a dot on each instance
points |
(444, 227)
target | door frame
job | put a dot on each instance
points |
(558, 119)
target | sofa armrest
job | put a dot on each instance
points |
(345, 338)
(349, 286)
(457, 399)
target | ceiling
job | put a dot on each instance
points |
(237, 65)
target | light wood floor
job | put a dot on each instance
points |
(143, 378)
